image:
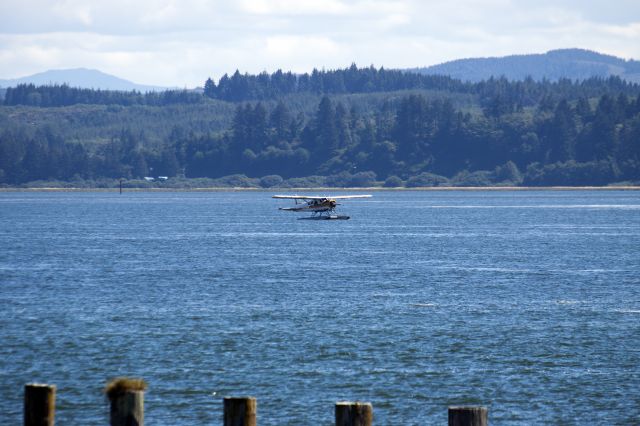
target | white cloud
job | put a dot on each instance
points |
(176, 43)
(294, 7)
(73, 11)
(288, 46)
(630, 31)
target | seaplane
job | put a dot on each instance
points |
(321, 208)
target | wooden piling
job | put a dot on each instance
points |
(354, 413)
(39, 404)
(240, 411)
(468, 416)
(127, 401)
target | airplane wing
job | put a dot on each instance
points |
(344, 197)
(298, 197)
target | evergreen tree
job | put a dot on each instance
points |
(325, 132)
(603, 134)
(12, 150)
(343, 128)
(34, 162)
(210, 88)
(583, 110)
(562, 134)
(168, 164)
(412, 129)
(280, 121)
(258, 127)
(240, 126)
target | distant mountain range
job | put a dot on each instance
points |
(83, 78)
(575, 64)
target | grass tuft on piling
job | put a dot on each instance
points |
(121, 385)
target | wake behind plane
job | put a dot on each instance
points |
(321, 208)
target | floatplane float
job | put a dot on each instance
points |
(321, 208)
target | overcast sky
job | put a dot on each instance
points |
(182, 42)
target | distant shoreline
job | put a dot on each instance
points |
(354, 189)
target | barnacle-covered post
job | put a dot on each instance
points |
(468, 416)
(354, 413)
(39, 404)
(127, 401)
(240, 411)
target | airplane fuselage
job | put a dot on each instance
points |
(320, 205)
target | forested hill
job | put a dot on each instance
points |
(80, 77)
(246, 87)
(574, 64)
(349, 127)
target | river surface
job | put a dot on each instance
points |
(527, 302)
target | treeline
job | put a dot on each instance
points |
(509, 95)
(63, 95)
(264, 86)
(414, 141)
(515, 94)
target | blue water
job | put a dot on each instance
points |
(526, 302)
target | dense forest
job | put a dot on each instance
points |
(352, 127)
(245, 87)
